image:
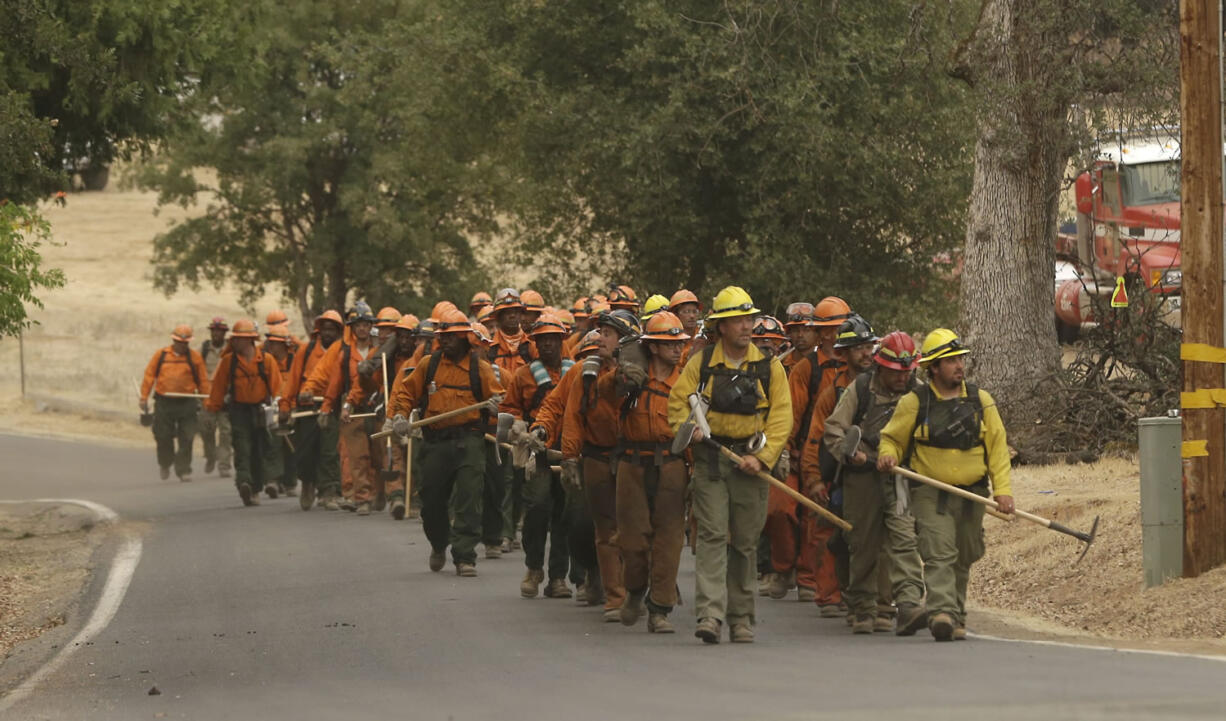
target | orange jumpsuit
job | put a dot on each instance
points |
(359, 453)
(255, 458)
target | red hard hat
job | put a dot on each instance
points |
(897, 351)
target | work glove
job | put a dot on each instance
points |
(283, 418)
(591, 366)
(493, 403)
(324, 420)
(387, 426)
(305, 399)
(144, 406)
(783, 466)
(570, 474)
(631, 378)
(368, 367)
(518, 432)
(401, 425)
(536, 439)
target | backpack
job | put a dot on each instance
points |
(734, 396)
(474, 381)
(817, 372)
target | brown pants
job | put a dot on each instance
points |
(601, 493)
(360, 473)
(651, 526)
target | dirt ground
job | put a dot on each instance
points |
(1029, 576)
(45, 552)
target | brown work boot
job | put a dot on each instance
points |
(531, 585)
(804, 594)
(632, 607)
(307, 499)
(659, 623)
(398, 510)
(270, 490)
(348, 504)
(364, 508)
(779, 585)
(557, 588)
(862, 624)
(960, 632)
(942, 626)
(438, 559)
(831, 610)
(612, 615)
(244, 492)
(380, 502)
(708, 629)
(764, 583)
(741, 633)
(883, 624)
(493, 551)
(466, 570)
(911, 618)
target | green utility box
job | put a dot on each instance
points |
(1161, 498)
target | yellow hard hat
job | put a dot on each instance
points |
(941, 343)
(653, 305)
(732, 302)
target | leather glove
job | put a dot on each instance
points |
(631, 377)
(591, 366)
(536, 439)
(414, 416)
(783, 466)
(518, 432)
(369, 366)
(401, 425)
(570, 474)
(493, 402)
(305, 399)
(324, 420)
(387, 425)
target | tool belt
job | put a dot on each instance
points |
(739, 446)
(645, 453)
(979, 488)
(452, 433)
(597, 453)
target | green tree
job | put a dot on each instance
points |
(330, 158)
(22, 231)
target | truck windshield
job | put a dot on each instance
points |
(1150, 183)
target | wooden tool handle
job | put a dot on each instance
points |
(797, 495)
(434, 419)
(992, 506)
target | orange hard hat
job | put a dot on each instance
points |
(596, 307)
(480, 298)
(682, 297)
(623, 296)
(768, 326)
(331, 315)
(408, 321)
(663, 325)
(532, 300)
(589, 344)
(565, 316)
(482, 335)
(276, 316)
(436, 313)
(244, 328)
(278, 332)
(600, 297)
(547, 324)
(799, 313)
(484, 313)
(507, 299)
(182, 332)
(451, 320)
(579, 309)
(387, 317)
(831, 311)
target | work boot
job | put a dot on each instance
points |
(185, 478)
(164, 472)
(289, 491)
(209, 465)
(515, 544)
(779, 585)
(632, 607)
(764, 583)
(332, 504)
(659, 623)
(830, 610)
(307, 499)
(492, 551)
(465, 570)
(804, 594)
(557, 588)
(911, 618)
(960, 632)
(244, 492)
(364, 508)
(270, 489)
(862, 624)
(708, 629)
(593, 590)
(438, 559)
(883, 624)
(398, 510)
(612, 615)
(380, 501)
(740, 633)
(506, 545)
(531, 585)
(942, 626)
(348, 504)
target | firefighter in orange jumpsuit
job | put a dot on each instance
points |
(246, 381)
(175, 369)
(684, 304)
(651, 481)
(280, 345)
(316, 447)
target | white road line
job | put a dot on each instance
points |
(123, 566)
(1090, 647)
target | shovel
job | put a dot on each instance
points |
(1086, 538)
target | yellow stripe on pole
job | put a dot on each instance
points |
(1203, 398)
(1202, 352)
(1194, 449)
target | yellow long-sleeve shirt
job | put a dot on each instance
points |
(774, 416)
(951, 465)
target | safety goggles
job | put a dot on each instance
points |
(906, 358)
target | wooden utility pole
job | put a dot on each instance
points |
(1204, 429)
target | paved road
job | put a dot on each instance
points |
(273, 613)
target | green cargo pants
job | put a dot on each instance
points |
(545, 520)
(950, 540)
(215, 433)
(512, 504)
(493, 495)
(453, 481)
(877, 531)
(730, 507)
(174, 421)
(257, 459)
(317, 458)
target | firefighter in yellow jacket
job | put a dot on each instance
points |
(950, 430)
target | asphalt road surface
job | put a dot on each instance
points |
(272, 613)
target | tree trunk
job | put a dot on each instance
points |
(1008, 272)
